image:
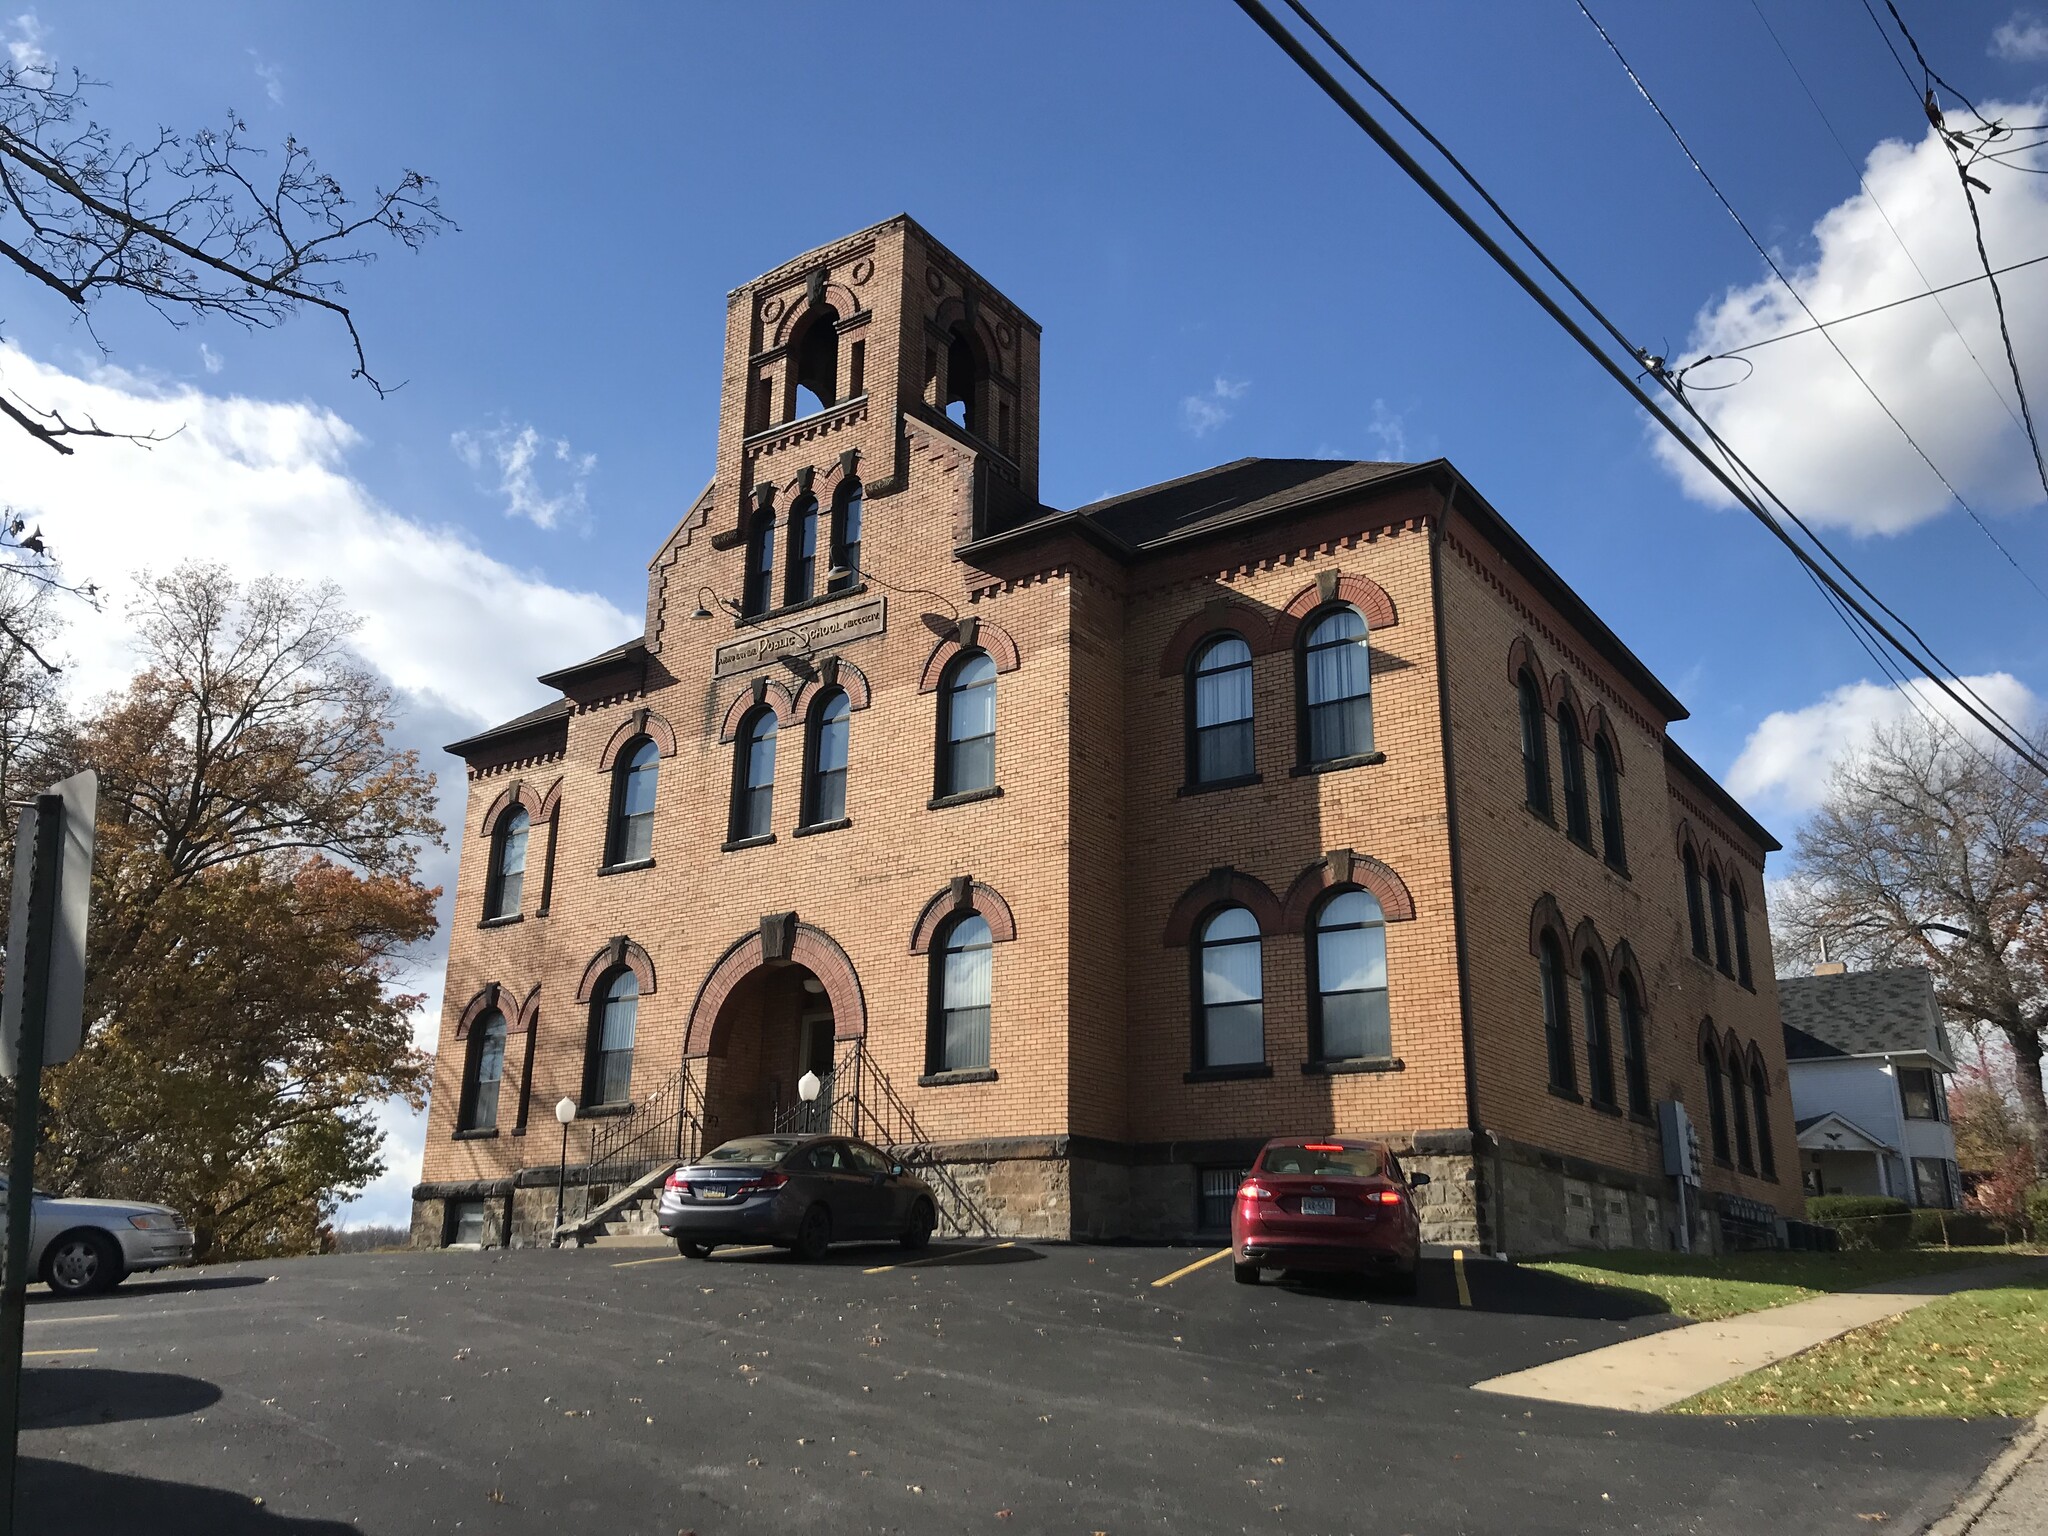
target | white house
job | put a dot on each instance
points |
(1869, 1062)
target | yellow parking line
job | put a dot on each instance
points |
(723, 1253)
(937, 1258)
(91, 1317)
(1221, 1253)
(666, 1258)
(1458, 1269)
(27, 1354)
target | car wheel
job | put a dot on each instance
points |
(82, 1263)
(1247, 1274)
(922, 1220)
(814, 1236)
(690, 1248)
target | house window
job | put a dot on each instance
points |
(1599, 1048)
(961, 966)
(1337, 687)
(753, 778)
(1230, 991)
(1220, 712)
(1349, 979)
(1738, 1100)
(825, 776)
(1931, 1182)
(1720, 909)
(800, 579)
(1738, 916)
(633, 784)
(1760, 1103)
(1635, 1051)
(486, 1072)
(1572, 759)
(466, 1222)
(1557, 1017)
(1535, 745)
(846, 516)
(1695, 905)
(613, 1021)
(967, 726)
(1218, 1193)
(508, 865)
(759, 593)
(1607, 784)
(1717, 1100)
(1920, 1093)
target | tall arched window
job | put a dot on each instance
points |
(1348, 979)
(846, 517)
(1719, 905)
(817, 361)
(1535, 745)
(485, 1072)
(1336, 686)
(1220, 712)
(967, 725)
(1599, 1046)
(758, 596)
(1759, 1098)
(962, 963)
(753, 778)
(964, 377)
(1557, 1016)
(1571, 757)
(508, 865)
(1738, 916)
(1717, 1098)
(634, 775)
(1230, 989)
(1635, 1046)
(1738, 1100)
(1607, 785)
(1695, 903)
(614, 1019)
(800, 580)
(824, 796)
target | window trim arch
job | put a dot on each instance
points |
(939, 1010)
(804, 349)
(1199, 944)
(809, 806)
(742, 806)
(619, 826)
(1194, 728)
(947, 788)
(1375, 928)
(1305, 643)
(516, 822)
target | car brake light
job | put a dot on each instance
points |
(766, 1181)
(675, 1181)
(1386, 1196)
(1254, 1192)
(1322, 1146)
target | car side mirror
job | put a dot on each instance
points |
(895, 1170)
(1417, 1180)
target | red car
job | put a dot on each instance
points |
(1333, 1205)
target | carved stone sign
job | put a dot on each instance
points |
(806, 637)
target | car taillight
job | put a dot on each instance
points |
(675, 1181)
(1254, 1192)
(1386, 1196)
(766, 1181)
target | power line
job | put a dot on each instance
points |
(1392, 147)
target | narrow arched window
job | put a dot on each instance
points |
(1336, 687)
(1220, 712)
(800, 579)
(967, 726)
(1738, 917)
(614, 1020)
(508, 865)
(1571, 758)
(1349, 980)
(485, 1071)
(1719, 904)
(1535, 745)
(824, 799)
(1695, 903)
(1635, 1046)
(1738, 1100)
(1759, 1098)
(759, 593)
(1557, 1016)
(1607, 785)
(846, 516)
(964, 373)
(1717, 1099)
(1599, 1045)
(962, 983)
(634, 775)
(1230, 990)
(817, 361)
(753, 778)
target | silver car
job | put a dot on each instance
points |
(802, 1193)
(79, 1247)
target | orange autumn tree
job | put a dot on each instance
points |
(255, 901)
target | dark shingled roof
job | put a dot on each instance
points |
(1229, 493)
(552, 710)
(605, 658)
(1862, 1013)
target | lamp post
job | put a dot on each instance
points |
(807, 1089)
(565, 1111)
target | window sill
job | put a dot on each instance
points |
(1537, 813)
(1619, 871)
(747, 842)
(626, 868)
(1605, 1109)
(489, 1135)
(964, 797)
(603, 1111)
(822, 826)
(1569, 1095)
(1722, 1162)
(1339, 1066)
(1211, 786)
(1241, 1072)
(816, 599)
(1584, 845)
(503, 922)
(1337, 764)
(1648, 1122)
(957, 1076)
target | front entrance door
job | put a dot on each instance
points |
(814, 1054)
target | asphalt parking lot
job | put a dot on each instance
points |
(978, 1388)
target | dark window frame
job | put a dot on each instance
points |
(596, 1068)
(1535, 744)
(1760, 1107)
(740, 815)
(618, 826)
(938, 1015)
(1934, 1094)
(1738, 920)
(945, 774)
(800, 556)
(1717, 1103)
(757, 590)
(849, 510)
(1571, 758)
(1557, 1016)
(1599, 1033)
(502, 897)
(1195, 730)
(1695, 904)
(1318, 1046)
(1304, 647)
(1198, 1043)
(812, 810)
(1635, 1044)
(1717, 902)
(471, 1116)
(1607, 790)
(1738, 1101)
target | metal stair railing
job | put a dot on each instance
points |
(870, 1107)
(665, 1128)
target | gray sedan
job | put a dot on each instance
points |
(803, 1193)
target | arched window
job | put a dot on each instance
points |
(634, 774)
(1759, 1098)
(957, 1039)
(1635, 1046)
(800, 579)
(1572, 760)
(1738, 1100)
(1695, 903)
(759, 593)
(824, 798)
(846, 516)
(1348, 979)
(817, 361)
(1719, 904)
(508, 865)
(1535, 745)
(1336, 685)
(1557, 1017)
(614, 1019)
(1717, 1098)
(1607, 785)
(964, 375)
(1738, 916)
(1599, 1046)
(753, 778)
(485, 1071)
(1220, 712)
(1230, 990)
(967, 725)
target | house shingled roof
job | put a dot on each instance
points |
(1235, 492)
(1891, 1011)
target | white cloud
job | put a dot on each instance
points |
(1787, 759)
(521, 458)
(211, 359)
(1802, 419)
(271, 76)
(1389, 430)
(2022, 40)
(25, 49)
(1204, 413)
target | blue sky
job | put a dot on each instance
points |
(1221, 264)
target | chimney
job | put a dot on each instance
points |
(1831, 968)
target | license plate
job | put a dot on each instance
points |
(1318, 1205)
(705, 1193)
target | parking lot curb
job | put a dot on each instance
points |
(1971, 1507)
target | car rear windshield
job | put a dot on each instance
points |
(1320, 1162)
(751, 1149)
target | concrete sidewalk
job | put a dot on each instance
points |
(1651, 1373)
(2011, 1498)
